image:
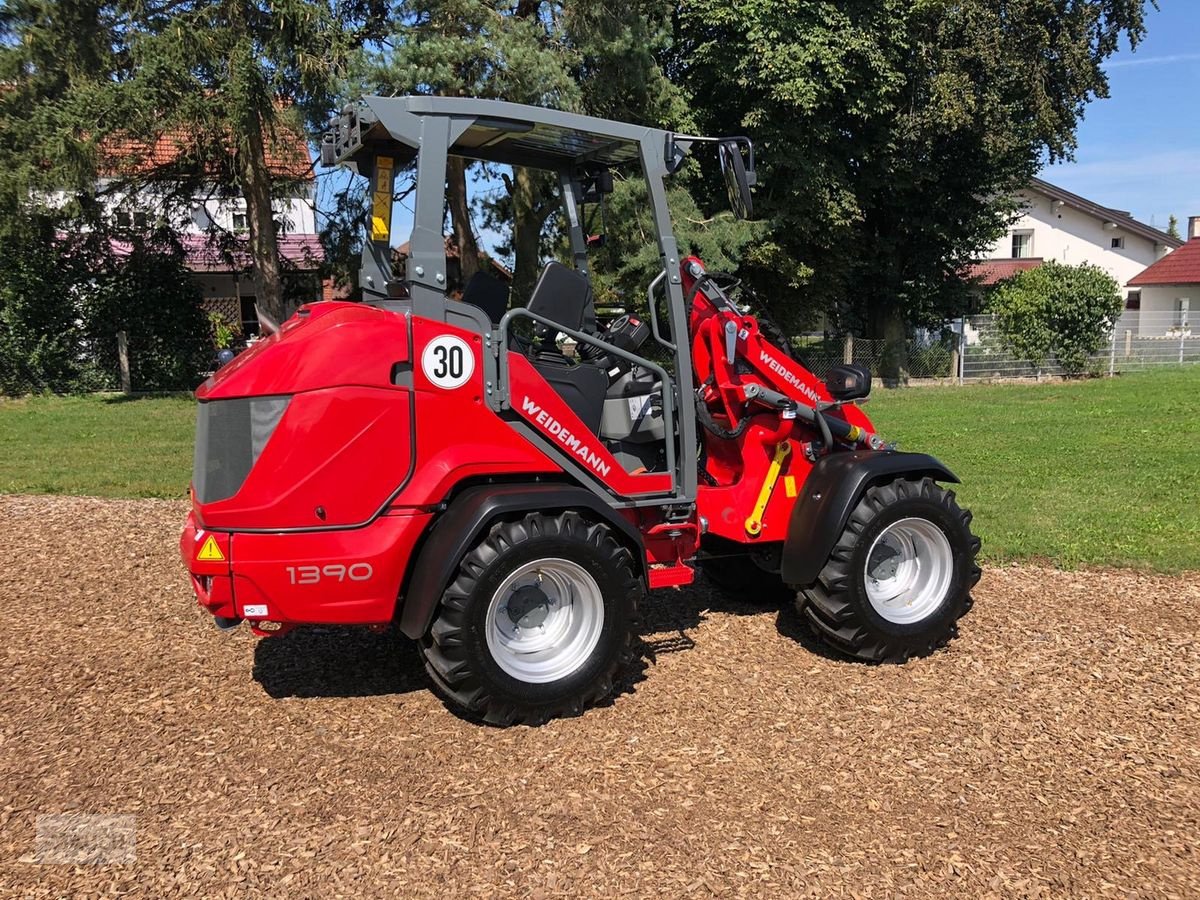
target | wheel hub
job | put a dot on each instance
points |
(908, 571)
(885, 559)
(545, 620)
(528, 607)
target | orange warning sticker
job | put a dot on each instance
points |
(210, 552)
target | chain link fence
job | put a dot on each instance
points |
(972, 350)
(1139, 340)
(929, 356)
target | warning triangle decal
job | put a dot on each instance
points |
(210, 552)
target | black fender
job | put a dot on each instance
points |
(465, 519)
(829, 495)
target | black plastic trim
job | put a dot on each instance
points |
(832, 488)
(459, 527)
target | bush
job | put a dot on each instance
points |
(39, 315)
(1057, 310)
(151, 296)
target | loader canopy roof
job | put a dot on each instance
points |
(491, 130)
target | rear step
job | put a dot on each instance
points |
(662, 576)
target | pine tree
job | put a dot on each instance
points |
(226, 80)
(577, 55)
(234, 77)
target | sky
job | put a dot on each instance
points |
(1139, 150)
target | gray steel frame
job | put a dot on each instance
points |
(429, 127)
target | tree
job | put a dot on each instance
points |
(1067, 312)
(39, 331)
(51, 54)
(488, 49)
(219, 83)
(574, 55)
(893, 135)
(233, 78)
(149, 294)
(1173, 227)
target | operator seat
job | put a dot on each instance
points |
(487, 293)
(564, 296)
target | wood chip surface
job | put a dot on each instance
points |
(1052, 751)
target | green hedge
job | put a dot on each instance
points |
(62, 302)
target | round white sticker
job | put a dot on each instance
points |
(448, 362)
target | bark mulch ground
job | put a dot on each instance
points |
(1053, 750)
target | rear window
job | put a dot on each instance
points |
(230, 436)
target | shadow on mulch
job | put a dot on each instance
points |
(791, 625)
(357, 662)
(683, 610)
(337, 662)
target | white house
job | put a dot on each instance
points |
(1056, 224)
(1169, 289)
(213, 229)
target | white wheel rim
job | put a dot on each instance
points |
(908, 571)
(544, 620)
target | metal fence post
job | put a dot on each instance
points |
(1112, 354)
(962, 350)
(1182, 339)
(123, 361)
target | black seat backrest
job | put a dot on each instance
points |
(487, 293)
(564, 296)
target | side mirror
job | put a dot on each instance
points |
(848, 382)
(596, 186)
(739, 177)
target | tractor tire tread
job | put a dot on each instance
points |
(455, 674)
(826, 604)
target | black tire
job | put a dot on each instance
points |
(838, 607)
(456, 651)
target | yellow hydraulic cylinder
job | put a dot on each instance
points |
(754, 523)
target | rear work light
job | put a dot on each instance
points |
(230, 436)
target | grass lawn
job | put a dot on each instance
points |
(102, 446)
(1100, 472)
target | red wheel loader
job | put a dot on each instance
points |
(443, 467)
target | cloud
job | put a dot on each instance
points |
(1154, 60)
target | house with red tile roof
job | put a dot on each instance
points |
(214, 226)
(1057, 224)
(1170, 289)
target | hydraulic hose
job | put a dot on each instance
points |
(711, 425)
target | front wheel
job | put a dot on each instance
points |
(537, 621)
(900, 576)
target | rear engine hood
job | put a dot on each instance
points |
(308, 428)
(323, 345)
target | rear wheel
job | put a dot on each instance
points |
(900, 576)
(537, 621)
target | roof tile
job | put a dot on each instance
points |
(1180, 266)
(993, 271)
